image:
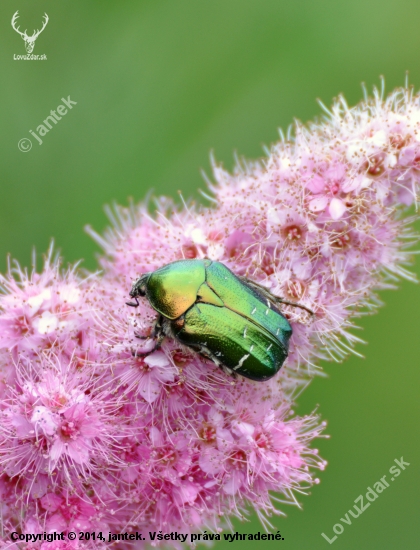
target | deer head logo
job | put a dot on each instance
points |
(29, 40)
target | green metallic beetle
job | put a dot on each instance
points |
(228, 319)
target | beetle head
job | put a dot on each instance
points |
(138, 289)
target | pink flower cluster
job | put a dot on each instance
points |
(99, 432)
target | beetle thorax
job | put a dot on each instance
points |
(172, 289)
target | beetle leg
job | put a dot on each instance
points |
(229, 371)
(294, 304)
(158, 335)
(272, 298)
(159, 332)
(157, 345)
(136, 353)
(205, 352)
(158, 329)
(159, 340)
(260, 289)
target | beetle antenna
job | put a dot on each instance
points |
(294, 304)
(132, 304)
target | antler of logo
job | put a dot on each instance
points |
(29, 40)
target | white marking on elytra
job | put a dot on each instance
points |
(253, 311)
(251, 348)
(245, 329)
(269, 347)
(241, 362)
(268, 303)
(266, 311)
(277, 331)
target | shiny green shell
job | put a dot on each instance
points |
(222, 316)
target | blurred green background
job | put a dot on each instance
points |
(160, 84)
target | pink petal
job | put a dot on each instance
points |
(57, 449)
(40, 486)
(44, 420)
(318, 204)
(149, 387)
(243, 428)
(337, 208)
(182, 464)
(157, 359)
(351, 185)
(51, 502)
(186, 493)
(211, 460)
(232, 485)
(224, 438)
(408, 155)
(316, 184)
(156, 437)
(144, 347)
(23, 427)
(78, 452)
(336, 172)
